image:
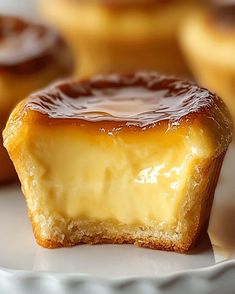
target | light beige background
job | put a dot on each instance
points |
(22, 7)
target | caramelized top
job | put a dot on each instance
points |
(223, 12)
(141, 100)
(27, 47)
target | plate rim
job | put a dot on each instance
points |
(212, 272)
(212, 279)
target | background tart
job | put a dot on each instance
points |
(114, 36)
(31, 56)
(208, 41)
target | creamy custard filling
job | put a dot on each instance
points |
(126, 178)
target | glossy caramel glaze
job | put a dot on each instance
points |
(26, 47)
(223, 12)
(142, 100)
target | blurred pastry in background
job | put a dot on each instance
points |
(121, 35)
(31, 56)
(208, 41)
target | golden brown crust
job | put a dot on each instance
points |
(145, 243)
(99, 239)
(156, 244)
(109, 239)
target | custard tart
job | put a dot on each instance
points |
(119, 159)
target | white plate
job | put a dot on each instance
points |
(112, 268)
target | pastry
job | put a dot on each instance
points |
(112, 36)
(208, 41)
(31, 56)
(119, 159)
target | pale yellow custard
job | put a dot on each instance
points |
(111, 181)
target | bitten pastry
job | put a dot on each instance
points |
(31, 56)
(111, 36)
(119, 159)
(208, 40)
